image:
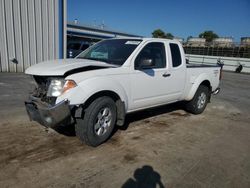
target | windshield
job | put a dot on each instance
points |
(114, 51)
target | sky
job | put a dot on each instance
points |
(182, 18)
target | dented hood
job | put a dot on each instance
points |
(65, 67)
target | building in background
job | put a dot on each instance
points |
(81, 36)
(31, 32)
(245, 42)
(196, 42)
(223, 42)
(181, 40)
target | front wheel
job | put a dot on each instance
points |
(199, 102)
(98, 121)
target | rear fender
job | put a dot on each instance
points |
(195, 83)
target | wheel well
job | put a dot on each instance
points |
(119, 104)
(207, 83)
(107, 93)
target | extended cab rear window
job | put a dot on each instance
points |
(176, 54)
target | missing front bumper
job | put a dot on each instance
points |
(49, 116)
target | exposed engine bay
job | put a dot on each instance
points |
(43, 86)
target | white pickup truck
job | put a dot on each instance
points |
(114, 77)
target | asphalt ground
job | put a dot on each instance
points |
(161, 147)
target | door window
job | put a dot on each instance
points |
(153, 54)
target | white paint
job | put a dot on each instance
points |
(133, 42)
(60, 66)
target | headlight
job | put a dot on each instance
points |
(59, 86)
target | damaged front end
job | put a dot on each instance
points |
(41, 106)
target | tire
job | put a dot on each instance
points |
(98, 122)
(199, 102)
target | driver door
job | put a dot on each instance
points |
(150, 76)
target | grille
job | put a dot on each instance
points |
(40, 91)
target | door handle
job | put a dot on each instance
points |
(166, 75)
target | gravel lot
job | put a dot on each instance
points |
(162, 147)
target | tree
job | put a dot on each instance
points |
(169, 36)
(158, 33)
(208, 35)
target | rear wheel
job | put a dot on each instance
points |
(199, 102)
(98, 121)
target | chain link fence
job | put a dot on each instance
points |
(234, 50)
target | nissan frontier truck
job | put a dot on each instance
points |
(114, 77)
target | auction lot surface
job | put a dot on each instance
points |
(162, 147)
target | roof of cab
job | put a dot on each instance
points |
(143, 39)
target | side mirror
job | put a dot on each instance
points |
(146, 63)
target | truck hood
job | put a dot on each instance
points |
(65, 67)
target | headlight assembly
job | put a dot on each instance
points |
(58, 86)
(55, 88)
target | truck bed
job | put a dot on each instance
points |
(196, 70)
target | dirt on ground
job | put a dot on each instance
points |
(161, 147)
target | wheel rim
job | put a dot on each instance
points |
(103, 121)
(202, 100)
